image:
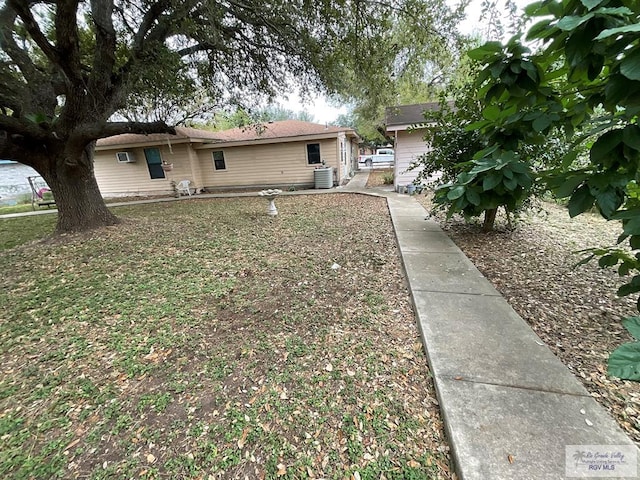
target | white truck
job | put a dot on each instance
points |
(382, 156)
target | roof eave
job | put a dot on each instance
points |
(265, 141)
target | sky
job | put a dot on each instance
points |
(323, 112)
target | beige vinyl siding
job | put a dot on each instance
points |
(265, 165)
(409, 146)
(133, 178)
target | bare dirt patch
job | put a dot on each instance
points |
(377, 177)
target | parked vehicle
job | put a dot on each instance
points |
(382, 155)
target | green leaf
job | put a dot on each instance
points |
(591, 4)
(616, 89)
(569, 185)
(632, 324)
(465, 178)
(624, 362)
(491, 113)
(630, 66)
(510, 183)
(484, 51)
(540, 30)
(580, 201)
(456, 192)
(627, 214)
(617, 11)
(633, 28)
(541, 123)
(631, 136)
(608, 261)
(604, 145)
(624, 269)
(569, 158)
(473, 197)
(571, 22)
(532, 8)
(491, 181)
(632, 226)
(520, 167)
(627, 289)
(477, 125)
(608, 202)
(483, 166)
(634, 242)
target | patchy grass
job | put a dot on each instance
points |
(20, 230)
(203, 339)
(18, 208)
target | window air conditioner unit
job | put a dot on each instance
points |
(125, 157)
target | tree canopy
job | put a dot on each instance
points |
(68, 67)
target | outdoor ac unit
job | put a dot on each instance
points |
(125, 157)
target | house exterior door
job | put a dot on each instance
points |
(154, 162)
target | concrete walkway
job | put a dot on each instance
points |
(510, 407)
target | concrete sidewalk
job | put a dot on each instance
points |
(510, 406)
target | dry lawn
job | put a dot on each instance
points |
(202, 339)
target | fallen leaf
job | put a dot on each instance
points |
(72, 444)
(329, 367)
(151, 458)
(510, 458)
(413, 464)
(242, 440)
(457, 378)
(282, 469)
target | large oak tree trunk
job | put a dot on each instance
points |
(75, 190)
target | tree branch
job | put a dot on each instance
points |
(20, 126)
(149, 20)
(104, 57)
(68, 40)
(21, 7)
(10, 47)
(118, 128)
